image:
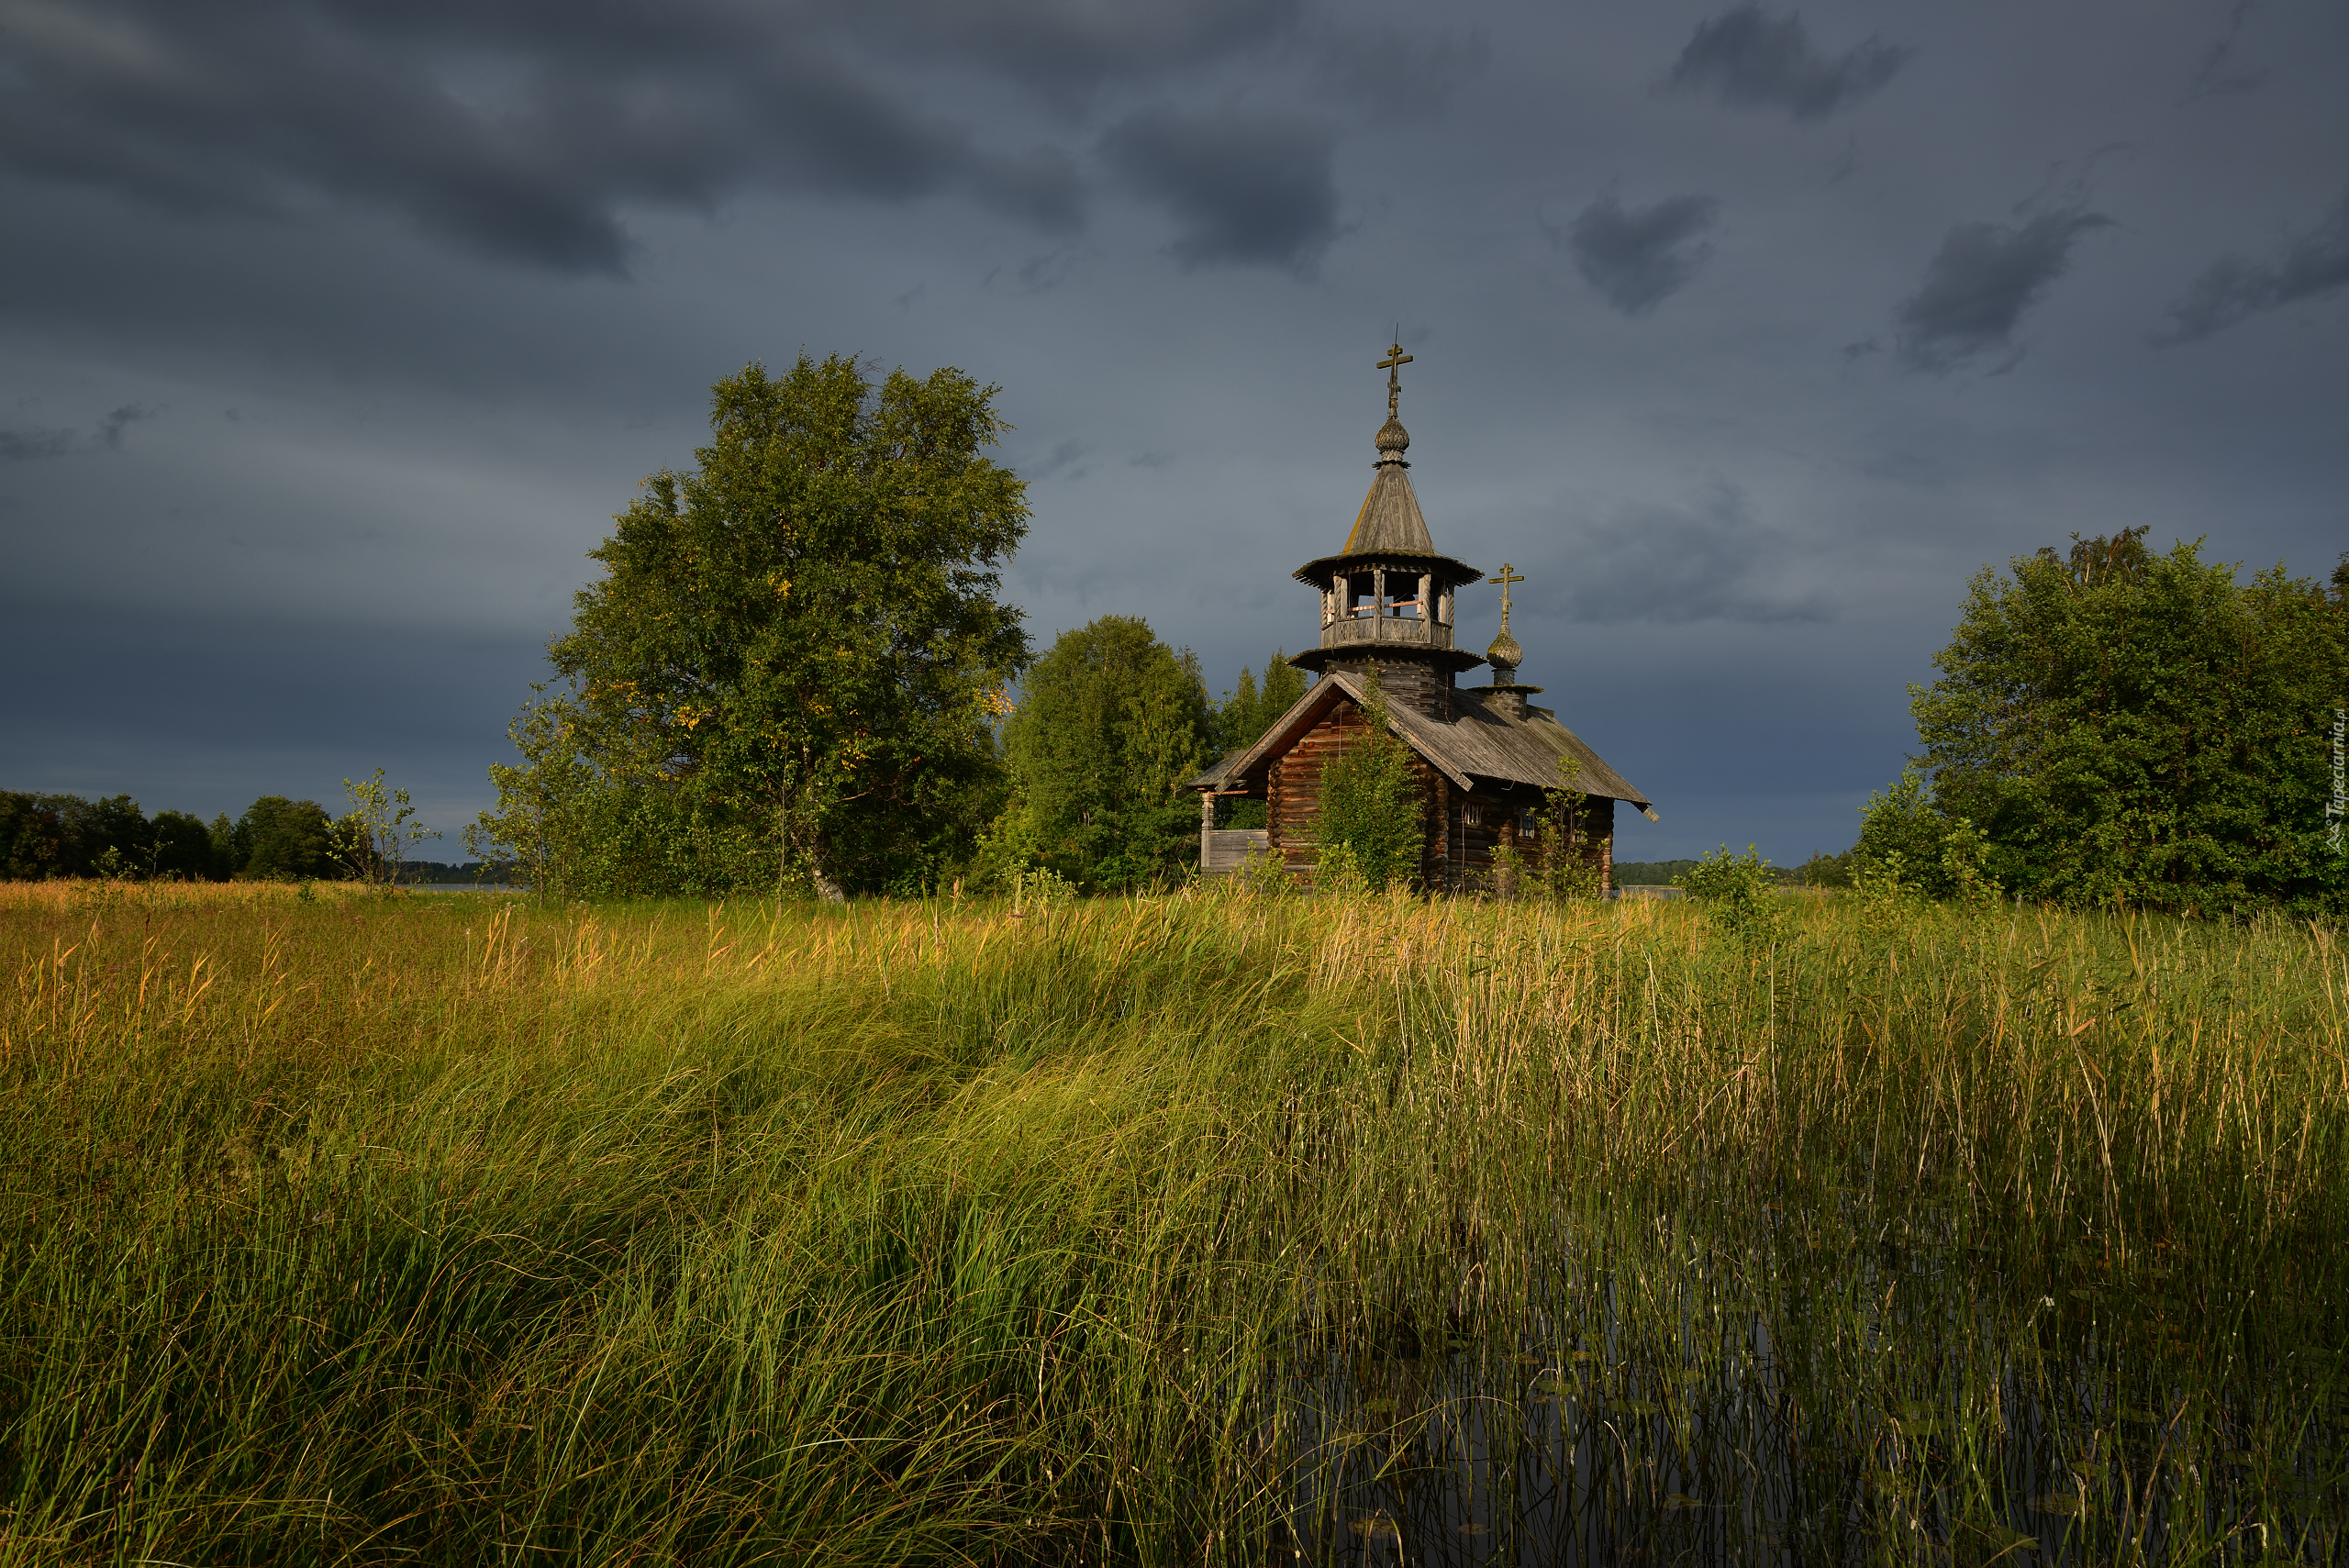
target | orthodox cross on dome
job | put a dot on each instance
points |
(1393, 365)
(1508, 575)
(1505, 655)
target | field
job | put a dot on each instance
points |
(1216, 1227)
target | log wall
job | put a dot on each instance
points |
(1224, 850)
(1454, 855)
(1469, 863)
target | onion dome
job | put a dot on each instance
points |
(1504, 653)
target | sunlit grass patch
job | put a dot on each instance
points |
(1209, 1227)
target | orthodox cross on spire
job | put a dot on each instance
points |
(1393, 365)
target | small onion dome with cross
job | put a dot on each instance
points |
(1504, 656)
(1388, 596)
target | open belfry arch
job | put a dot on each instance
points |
(1484, 756)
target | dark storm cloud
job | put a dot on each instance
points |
(1674, 565)
(1248, 188)
(111, 427)
(520, 131)
(1980, 283)
(2235, 288)
(1637, 256)
(1750, 60)
(1071, 47)
(18, 446)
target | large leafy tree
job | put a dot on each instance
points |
(788, 669)
(1110, 724)
(279, 839)
(2117, 725)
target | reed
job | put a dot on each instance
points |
(1216, 1227)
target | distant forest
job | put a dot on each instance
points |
(1822, 870)
(276, 839)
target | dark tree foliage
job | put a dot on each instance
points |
(786, 674)
(1110, 724)
(182, 849)
(1823, 869)
(1652, 874)
(1248, 709)
(2121, 727)
(44, 836)
(279, 839)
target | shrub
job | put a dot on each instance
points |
(1370, 804)
(1741, 890)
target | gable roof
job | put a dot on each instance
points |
(1480, 742)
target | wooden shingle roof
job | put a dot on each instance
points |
(1481, 742)
(1390, 521)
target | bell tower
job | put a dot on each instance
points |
(1387, 597)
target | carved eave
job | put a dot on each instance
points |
(1450, 574)
(1457, 659)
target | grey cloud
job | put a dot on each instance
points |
(1396, 74)
(520, 131)
(19, 446)
(1980, 283)
(111, 427)
(1247, 188)
(2235, 288)
(1636, 257)
(1066, 458)
(1072, 47)
(1750, 60)
(2218, 74)
(1710, 561)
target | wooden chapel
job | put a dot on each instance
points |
(1484, 755)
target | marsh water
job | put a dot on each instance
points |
(1809, 1387)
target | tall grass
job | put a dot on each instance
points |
(1199, 1228)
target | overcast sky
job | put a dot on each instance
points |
(333, 332)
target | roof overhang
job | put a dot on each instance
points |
(1456, 660)
(1459, 757)
(1317, 573)
(1303, 715)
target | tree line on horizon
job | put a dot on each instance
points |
(276, 840)
(797, 675)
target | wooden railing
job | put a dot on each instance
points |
(1386, 629)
